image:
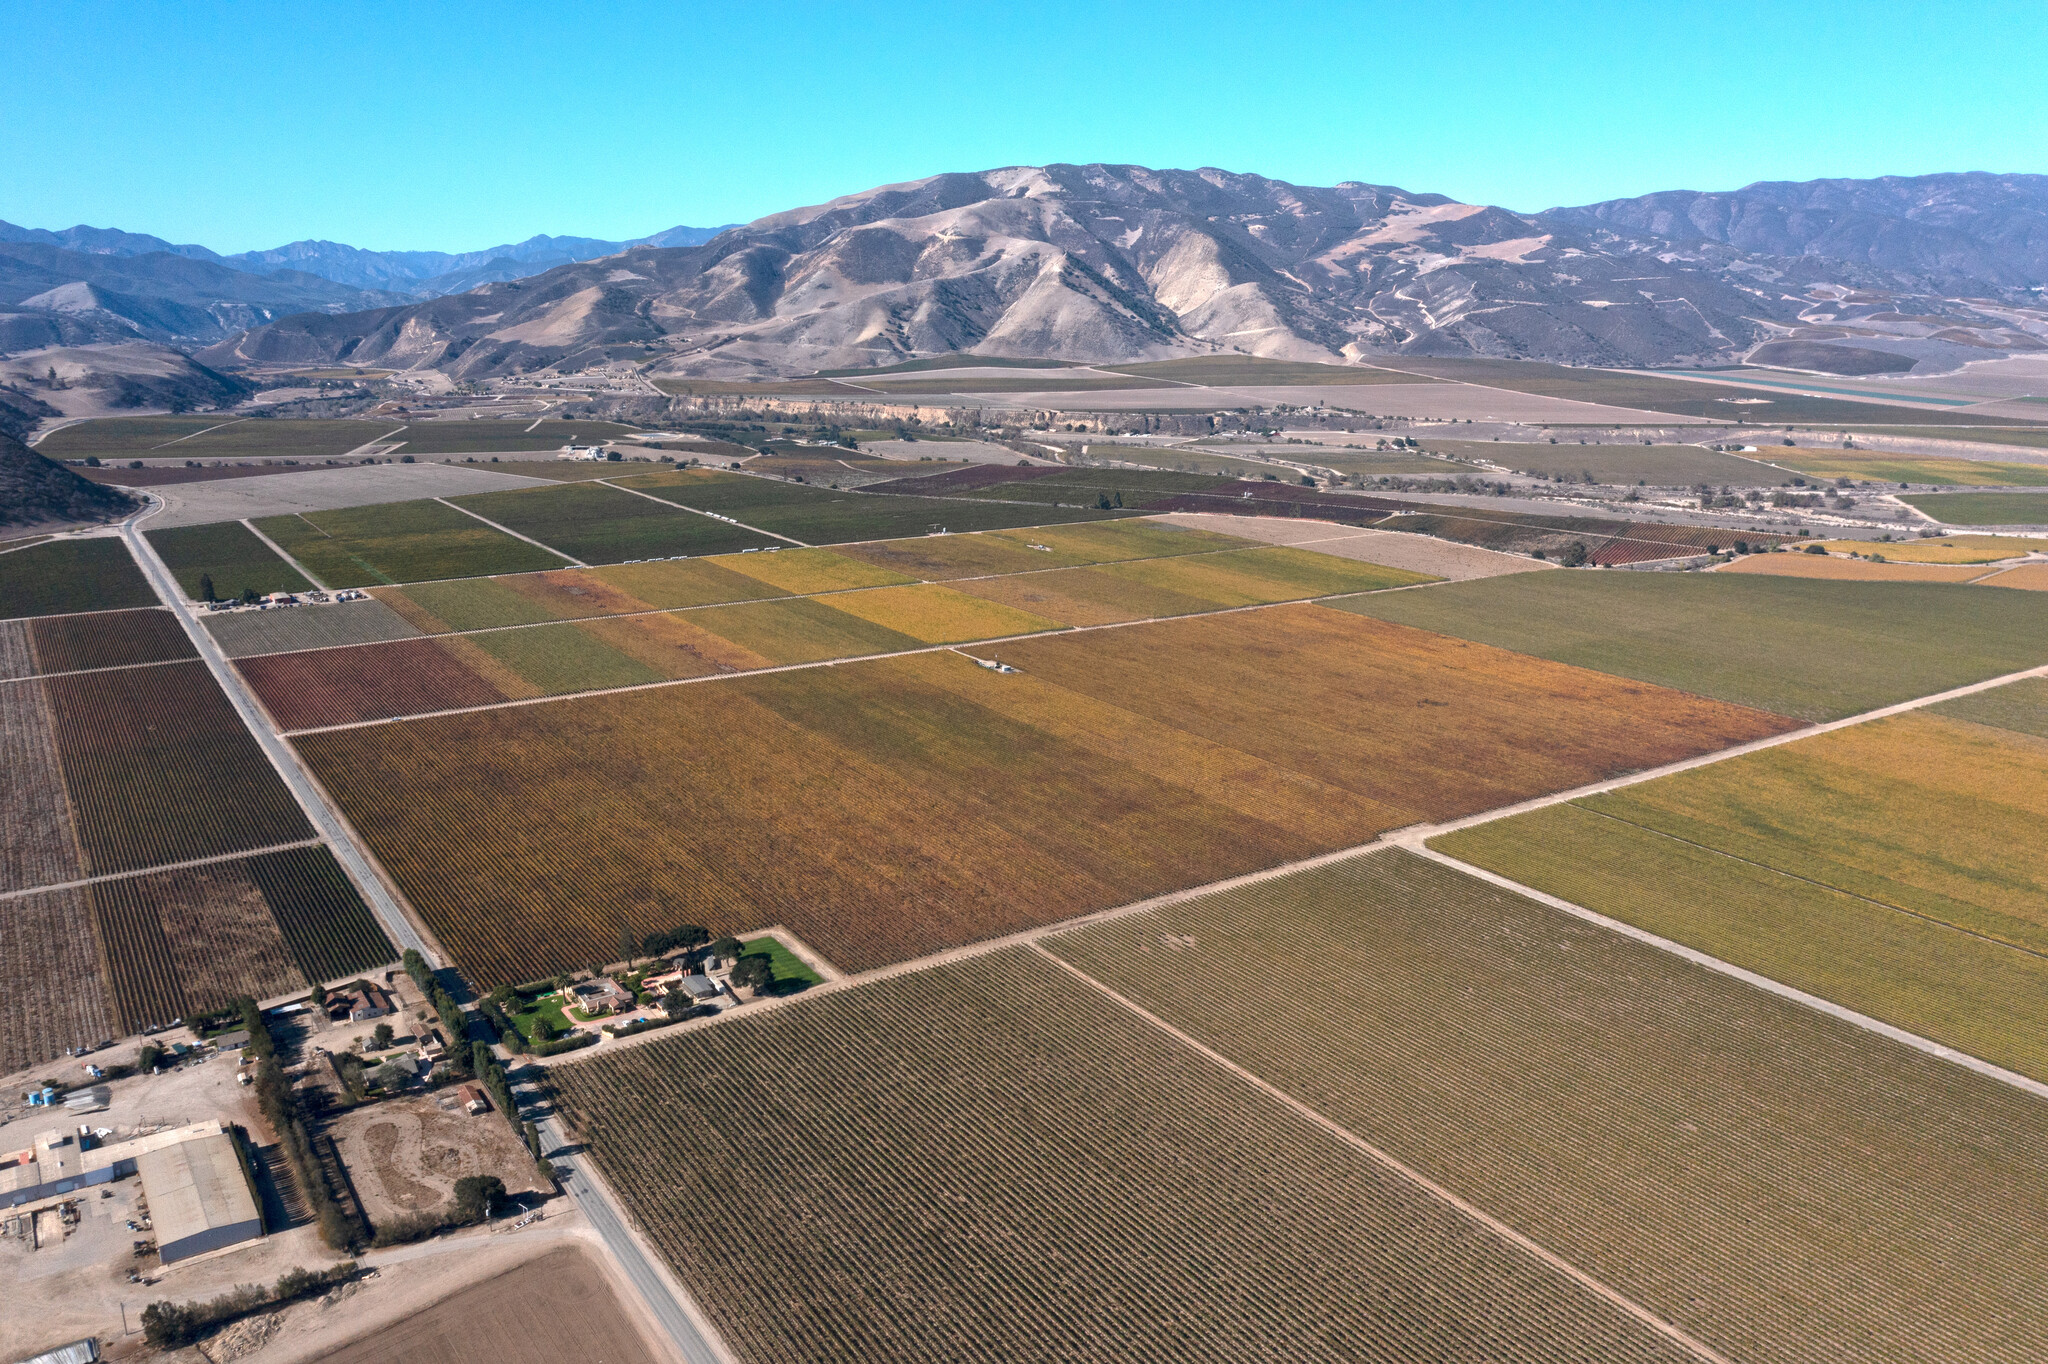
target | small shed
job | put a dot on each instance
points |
(474, 1100)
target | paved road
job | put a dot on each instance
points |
(693, 1339)
(325, 822)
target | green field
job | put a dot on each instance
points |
(465, 604)
(400, 542)
(1813, 649)
(1684, 397)
(62, 576)
(1892, 867)
(2021, 707)
(563, 658)
(214, 437)
(1983, 509)
(1670, 466)
(228, 553)
(486, 436)
(822, 516)
(602, 525)
(992, 1161)
(1782, 1185)
(1258, 372)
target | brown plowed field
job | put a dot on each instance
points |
(160, 769)
(366, 682)
(108, 639)
(56, 997)
(553, 1309)
(40, 844)
(891, 808)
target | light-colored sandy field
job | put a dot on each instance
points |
(1853, 570)
(1416, 553)
(233, 499)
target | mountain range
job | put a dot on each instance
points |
(92, 284)
(1115, 262)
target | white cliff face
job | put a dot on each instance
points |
(1109, 263)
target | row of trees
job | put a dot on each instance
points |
(341, 1230)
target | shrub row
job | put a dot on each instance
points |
(169, 1325)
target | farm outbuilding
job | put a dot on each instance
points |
(201, 1196)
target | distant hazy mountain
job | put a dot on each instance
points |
(1120, 262)
(1963, 232)
(53, 296)
(91, 284)
(414, 274)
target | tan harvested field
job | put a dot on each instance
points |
(992, 1161)
(2030, 577)
(1947, 549)
(1416, 553)
(57, 997)
(1782, 1185)
(557, 1308)
(1853, 570)
(889, 808)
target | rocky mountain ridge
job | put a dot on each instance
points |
(1107, 262)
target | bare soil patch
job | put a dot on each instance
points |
(553, 1308)
(404, 1155)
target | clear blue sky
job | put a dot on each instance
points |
(451, 127)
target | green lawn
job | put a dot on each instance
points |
(1812, 649)
(230, 554)
(1983, 509)
(791, 974)
(401, 542)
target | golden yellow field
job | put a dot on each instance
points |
(1852, 570)
(803, 571)
(673, 583)
(1948, 549)
(933, 614)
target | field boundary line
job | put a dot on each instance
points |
(200, 432)
(1410, 837)
(281, 552)
(698, 511)
(829, 592)
(1808, 880)
(1938, 1050)
(319, 811)
(1613, 1297)
(152, 870)
(374, 440)
(511, 532)
(1413, 837)
(957, 648)
(110, 668)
